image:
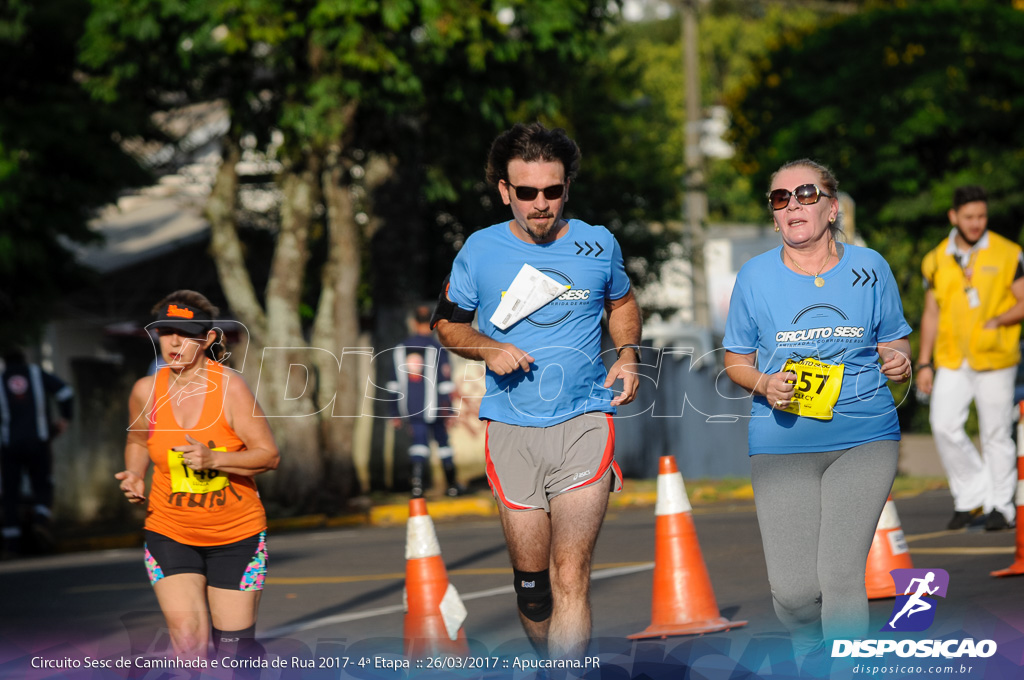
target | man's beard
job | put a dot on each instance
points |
(968, 241)
(547, 232)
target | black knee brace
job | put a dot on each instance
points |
(241, 646)
(238, 643)
(534, 591)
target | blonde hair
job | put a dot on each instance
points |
(827, 180)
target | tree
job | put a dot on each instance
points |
(343, 83)
(58, 161)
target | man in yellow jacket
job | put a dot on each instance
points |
(970, 337)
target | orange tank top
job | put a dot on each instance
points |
(198, 507)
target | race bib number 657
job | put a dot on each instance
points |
(817, 387)
(186, 480)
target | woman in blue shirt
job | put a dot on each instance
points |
(815, 328)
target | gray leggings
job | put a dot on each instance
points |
(818, 513)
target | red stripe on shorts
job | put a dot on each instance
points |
(492, 475)
(607, 459)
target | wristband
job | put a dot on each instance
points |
(923, 366)
(635, 348)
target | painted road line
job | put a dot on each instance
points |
(966, 550)
(107, 587)
(483, 571)
(963, 551)
(621, 570)
(934, 534)
(609, 568)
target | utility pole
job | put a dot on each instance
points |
(696, 199)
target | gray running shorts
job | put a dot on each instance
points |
(528, 466)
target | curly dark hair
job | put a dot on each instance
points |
(218, 351)
(531, 143)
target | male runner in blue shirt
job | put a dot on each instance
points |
(548, 403)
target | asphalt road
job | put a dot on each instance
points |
(337, 593)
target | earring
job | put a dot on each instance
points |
(776, 227)
(831, 220)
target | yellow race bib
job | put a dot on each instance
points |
(186, 480)
(817, 388)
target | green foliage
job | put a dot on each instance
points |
(523, 70)
(300, 66)
(433, 82)
(736, 35)
(644, 82)
(58, 161)
(342, 78)
(627, 112)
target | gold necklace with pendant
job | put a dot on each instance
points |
(818, 281)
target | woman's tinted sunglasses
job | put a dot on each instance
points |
(806, 194)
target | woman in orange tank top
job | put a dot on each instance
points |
(207, 438)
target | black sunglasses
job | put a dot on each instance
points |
(806, 194)
(529, 193)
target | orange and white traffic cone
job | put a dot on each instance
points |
(888, 551)
(1017, 568)
(683, 602)
(434, 612)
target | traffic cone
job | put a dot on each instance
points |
(1017, 567)
(434, 612)
(888, 551)
(683, 602)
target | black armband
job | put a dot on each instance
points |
(635, 348)
(448, 310)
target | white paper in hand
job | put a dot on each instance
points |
(530, 291)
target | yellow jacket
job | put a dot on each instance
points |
(993, 268)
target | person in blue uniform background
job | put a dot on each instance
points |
(26, 431)
(421, 375)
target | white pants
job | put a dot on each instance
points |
(974, 481)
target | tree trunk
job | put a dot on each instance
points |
(277, 351)
(286, 368)
(226, 248)
(337, 328)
